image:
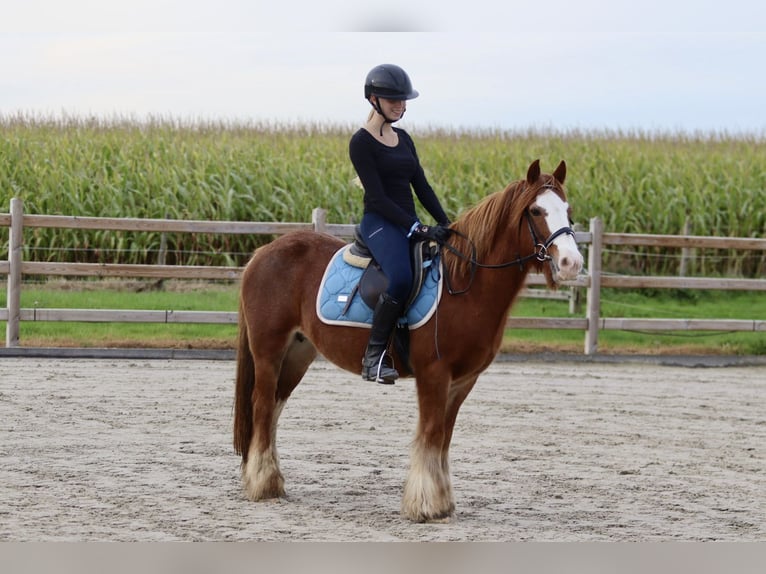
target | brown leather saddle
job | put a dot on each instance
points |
(373, 281)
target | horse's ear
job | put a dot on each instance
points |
(533, 173)
(561, 172)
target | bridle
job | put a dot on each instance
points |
(540, 253)
(541, 248)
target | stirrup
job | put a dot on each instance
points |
(383, 374)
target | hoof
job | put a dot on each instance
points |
(261, 492)
(445, 520)
(441, 518)
(262, 481)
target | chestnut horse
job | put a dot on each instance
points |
(493, 247)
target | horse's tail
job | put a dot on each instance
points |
(245, 382)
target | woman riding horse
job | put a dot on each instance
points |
(388, 167)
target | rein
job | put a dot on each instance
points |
(540, 253)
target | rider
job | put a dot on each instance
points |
(388, 167)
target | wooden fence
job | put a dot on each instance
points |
(593, 281)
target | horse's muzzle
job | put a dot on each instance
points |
(567, 264)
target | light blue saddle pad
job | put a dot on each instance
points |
(337, 287)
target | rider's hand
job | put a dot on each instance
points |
(438, 233)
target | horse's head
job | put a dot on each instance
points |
(524, 226)
(548, 219)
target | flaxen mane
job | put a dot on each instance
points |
(495, 212)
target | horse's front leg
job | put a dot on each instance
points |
(458, 391)
(261, 476)
(428, 490)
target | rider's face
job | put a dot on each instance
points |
(393, 109)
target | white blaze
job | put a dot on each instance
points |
(569, 260)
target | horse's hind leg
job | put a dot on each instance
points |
(300, 354)
(261, 476)
(274, 382)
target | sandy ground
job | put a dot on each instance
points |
(139, 450)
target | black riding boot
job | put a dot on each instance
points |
(384, 318)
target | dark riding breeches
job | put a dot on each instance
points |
(390, 246)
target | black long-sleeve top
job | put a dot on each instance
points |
(389, 174)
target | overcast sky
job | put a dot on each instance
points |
(560, 64)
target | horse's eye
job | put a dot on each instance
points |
(535, 211)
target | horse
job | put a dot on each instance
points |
(494, 245)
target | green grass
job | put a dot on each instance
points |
(179, 296)
(670, 304)
(224, 297)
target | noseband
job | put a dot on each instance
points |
(541, 248)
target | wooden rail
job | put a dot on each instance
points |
(15, 268)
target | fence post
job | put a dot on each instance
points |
(14, 273)
(686, 252)
(163, 252)
(319, 219)
(575, 300)
(593, 301)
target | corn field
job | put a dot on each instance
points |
(703, 184)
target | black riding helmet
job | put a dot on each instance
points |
(390, 82)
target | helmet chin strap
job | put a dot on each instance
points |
(386, 119)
